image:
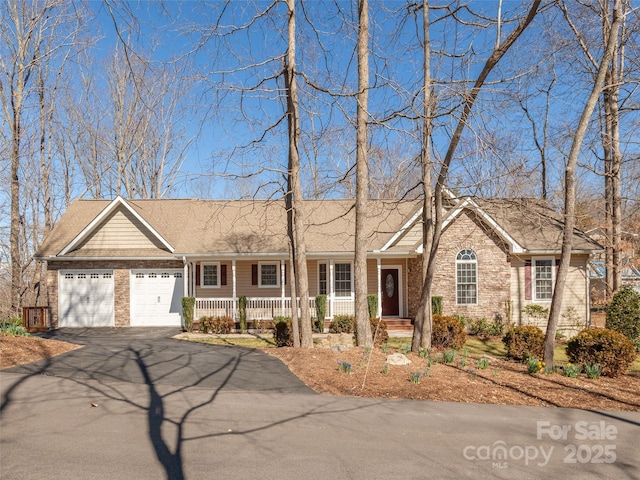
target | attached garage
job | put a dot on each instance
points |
(156, 297)
(86, 298)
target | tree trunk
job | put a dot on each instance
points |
(570, 187)
(363, 326)
(422, 333)
(297, 204)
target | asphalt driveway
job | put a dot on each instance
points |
(152, 356)
(135, 403)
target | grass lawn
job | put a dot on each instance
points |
(475, 346)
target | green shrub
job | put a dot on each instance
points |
(342, 324)
(188, 304)
(623, 314)
(13, 328)
(321, 311)
(242, 312)
(282, 331)
(523, 342)
(372, 305)
(448, 356)
(381, 336)
(436, 305)
(534, 365)
(204, 324)
(570, 370)
(447, 332)
(610, 349)
(483, 328)
(593, 370)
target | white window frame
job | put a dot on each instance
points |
(333, 280)
(467, 262)
(210, 264)
(277, 267)
(534, 278)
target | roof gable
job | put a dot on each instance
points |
(118, 220)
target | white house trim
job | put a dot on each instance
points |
(404, 228)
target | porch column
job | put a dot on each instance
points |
(185, 279)
(330, 281)
(233, 289)
(379, 264)
(282, 289)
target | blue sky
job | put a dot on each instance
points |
(224, 120)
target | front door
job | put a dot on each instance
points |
(390, 292)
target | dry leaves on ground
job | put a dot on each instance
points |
(20, 350)
(503, 382)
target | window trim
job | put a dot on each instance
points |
(534, 278)
(460, 262)
(210, 264)
(335, 272)
(277, 265)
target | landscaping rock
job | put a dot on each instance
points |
(338, 342)
(398, 359)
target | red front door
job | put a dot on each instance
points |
(390, 292)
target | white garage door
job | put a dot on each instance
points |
(85, 298)
(156, 297)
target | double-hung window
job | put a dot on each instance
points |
(543, 274)
(466, 277)
(269, 275)
(342, 280)
(210, 275)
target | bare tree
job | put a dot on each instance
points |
(296, 202)
(570, 183)
(363, 327)
(433, 204)
(28, 42)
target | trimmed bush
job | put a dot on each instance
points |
(342, 324)
(447, 332)
(217, 325)
(372, 305)
(523, 342)
(242, 312)
(282, 332)
(436, 305)
(321, 311)
(188, 303)
(623, 314)
(611, 350)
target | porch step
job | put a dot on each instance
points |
(398, 324)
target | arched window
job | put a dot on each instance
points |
(466, 277)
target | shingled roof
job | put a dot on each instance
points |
(193, 227)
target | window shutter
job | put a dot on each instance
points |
(198, 275)
(254, 274)
(223, 274)
(557, 266)
(527, 280)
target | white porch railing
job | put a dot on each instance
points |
(265, 308)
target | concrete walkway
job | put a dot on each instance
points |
(83, 417)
